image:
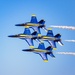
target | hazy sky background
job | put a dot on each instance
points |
(55, 12)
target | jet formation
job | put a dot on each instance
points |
(36, 35)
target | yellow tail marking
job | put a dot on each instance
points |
(33, 15)
(49, 28)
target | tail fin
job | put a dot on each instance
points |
(59, 41)
(34, 33)
(50, 53)
(50, 32)
(57, 36)
(41, 46)
(33, 19)
(42, 21)
(49, 48)
(27, 31)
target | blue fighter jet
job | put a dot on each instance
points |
(27, 36)
(34, 24)
(51, 39)
(42, 51)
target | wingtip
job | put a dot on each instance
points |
(54, 48)
(45, 60)
(39, 34)
(31, 46)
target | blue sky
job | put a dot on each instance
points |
(15, 62)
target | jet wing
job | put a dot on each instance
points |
(53, 44)
(52, 55)
(36, 29)
(44, 56)
(30, 42)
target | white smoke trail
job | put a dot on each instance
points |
(70, 40)
(64, 27)
(66, 53)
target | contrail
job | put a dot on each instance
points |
(64, 27)
(70, 40)
(66, 53)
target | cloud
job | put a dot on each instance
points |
(66, 53)
(64, 27)
(70, 40)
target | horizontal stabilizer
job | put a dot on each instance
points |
(49, 48)
(60, 43)
(34, 33)
(41, 21)
(57, 36)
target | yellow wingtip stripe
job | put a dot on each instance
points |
(31, 46)
(45, 60)
(39, 34)
(54, 48)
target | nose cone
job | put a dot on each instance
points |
(28, 50)
(20, 24)
(23, 50)
(13, 36)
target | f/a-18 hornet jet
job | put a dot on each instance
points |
(51, 39)
(34, 24)
(42, 51)
(27, 36)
